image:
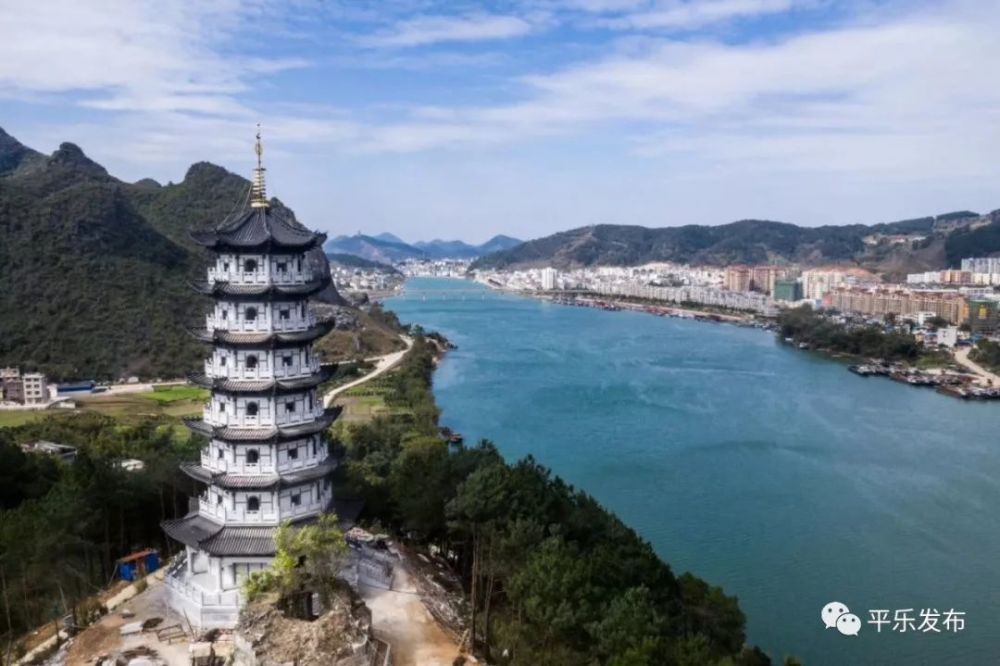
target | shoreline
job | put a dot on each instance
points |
(968, 385)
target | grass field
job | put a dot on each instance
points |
(168, 394)
(366, 401)
(172, 401)
(12, 418)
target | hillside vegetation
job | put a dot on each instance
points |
(936, 242)
(95, 270)
(552, 577)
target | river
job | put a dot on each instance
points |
(772, 472)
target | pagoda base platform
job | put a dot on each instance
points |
(210, 598)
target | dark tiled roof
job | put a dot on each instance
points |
(309, 474)
(260, 434)
(242, 541)
(259, 227)
(192, 529)
(263, 290)
(196, 472)
(264, 385)
(321, 328)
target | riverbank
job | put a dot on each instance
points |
(511, 528)
(778, 475)
(928, 370)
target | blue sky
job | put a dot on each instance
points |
(463, 120)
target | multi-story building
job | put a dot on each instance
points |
(266, 460)
(549, 279)
(816, 283)
(737, 278)
(36, 391)
(764, 278)
(880, 301)
(788, 291)
(981, 265)
(984, 315)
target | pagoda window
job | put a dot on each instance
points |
(284, 313)
(314, 446)
(296, 499)
(299, 264)
(225, 267)
(225, 314)
(286, 360)
(250, 266)
(310, 402)
(250, 314)
(222, 453)
(222, 408)
(253, 504)
(252, 409)
(303, 310)
(293, 454)
(218, 498)
(282, 266)
(251, 362)
(290, 406)
(307, 355)
(222, 361)
(253, 457)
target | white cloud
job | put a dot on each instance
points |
(425, 30)
(124, 55)
(689, 14)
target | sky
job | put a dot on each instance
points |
(526, 117)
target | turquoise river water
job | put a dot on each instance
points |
(772, 472)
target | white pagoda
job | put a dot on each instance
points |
(267, 460)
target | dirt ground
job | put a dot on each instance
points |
(104, 637)
(400, 617)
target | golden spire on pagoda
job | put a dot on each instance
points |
(258, 194)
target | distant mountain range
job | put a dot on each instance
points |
(95, 271)
(387, 248)
(892, 249)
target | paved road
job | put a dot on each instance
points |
(962, 356)
(382, 364)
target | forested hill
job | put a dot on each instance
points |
(934, 242)
(95, 270)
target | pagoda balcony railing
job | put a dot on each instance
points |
(262, 276)
(263, 324)
(294, 370)
(281, 371)
(179, 581)
(207, 507)
(262, 371)
(224, 466)
(262, 419)
(227, 466)
(294, 512)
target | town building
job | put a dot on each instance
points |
(764, 278)
(36, 390)
(737, 278)
(549, 279)
(815, 284)
(267, 461)
(63, 452)
(788, 291)
(983, 315)
(880, 301)
(981, 264)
